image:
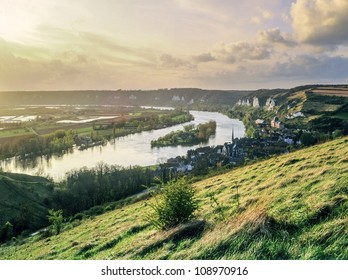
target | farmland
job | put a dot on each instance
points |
(98, 123)
(332, 91)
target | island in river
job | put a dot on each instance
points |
(191, 135)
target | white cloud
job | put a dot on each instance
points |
(320, 22)
(275, 36)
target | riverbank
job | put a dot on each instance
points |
(57, 131)
(131, 150)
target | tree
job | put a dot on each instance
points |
(6, 231)
(307, 139)
(337, 134)
(201, 166)
(56, 220)
(176, 204)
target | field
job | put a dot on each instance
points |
(288, 207)
(332, 91)
(82, 119)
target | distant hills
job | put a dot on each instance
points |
(160, 97)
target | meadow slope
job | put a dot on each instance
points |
(293, 206)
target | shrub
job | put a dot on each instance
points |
(78, 216)
(176, 204)
(95, 211)
(337, 134)
(56, 220)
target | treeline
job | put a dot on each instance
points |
(85, 188)
(191, 135)
(25, 146)
(144, 122)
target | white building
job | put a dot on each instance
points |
(256, 103)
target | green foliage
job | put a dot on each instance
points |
(24, 201)
(307, 139)
(86, 188)
(205, 130)
(337, 134)
(189, 136)
(56, 220)
(95, 211)
(218, 208)
(6, 232)
(201, 167)
(25, 146)
(176, 205)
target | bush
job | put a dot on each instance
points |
(56, 220)
(78, 216)
(337, 134)
(176, 204)
(95, 211)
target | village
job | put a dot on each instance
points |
(271, 138)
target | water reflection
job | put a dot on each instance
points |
(130, 150)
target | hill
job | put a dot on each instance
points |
(293, 206)
(160, 97)
(24, 200)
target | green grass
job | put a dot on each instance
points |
(293, 206)
(15, 132)
(323, 103)
(84, 130)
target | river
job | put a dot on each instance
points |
(126, 151)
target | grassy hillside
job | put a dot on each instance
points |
(23, 199)
(293, 206)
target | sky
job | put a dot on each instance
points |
(151, 44)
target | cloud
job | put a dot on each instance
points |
(318, 68)
(275, 36)
(320, 22)
(240, 51)
(97, 46)
(303, 69)
(169, 61)
(263, 16)
(69, 66)
(204, 57)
